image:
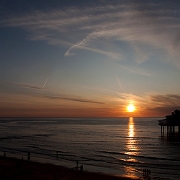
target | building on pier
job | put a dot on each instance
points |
(170, 126)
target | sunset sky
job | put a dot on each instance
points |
(76, 58)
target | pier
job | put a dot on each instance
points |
(170, 126)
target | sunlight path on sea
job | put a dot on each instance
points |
(131, 149)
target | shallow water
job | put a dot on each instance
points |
(121, 146)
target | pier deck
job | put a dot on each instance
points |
(172, 124)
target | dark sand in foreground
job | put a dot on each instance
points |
(11, 168)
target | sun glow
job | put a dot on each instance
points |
(130, 108)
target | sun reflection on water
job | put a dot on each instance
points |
(131, 127)
(131, 149)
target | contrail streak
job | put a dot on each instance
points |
(45, 82)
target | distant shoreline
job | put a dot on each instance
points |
(12, 168)
(9, 117)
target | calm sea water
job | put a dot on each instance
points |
(120, 146)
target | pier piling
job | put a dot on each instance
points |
(171, 122)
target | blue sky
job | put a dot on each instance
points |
(89, 58)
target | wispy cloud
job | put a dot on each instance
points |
(83, 45)
(128, 97)
(134, 70)
(76, 99)
(143, 27)
(167, 100)
(23, 85)
(53, 94)
(151, 104)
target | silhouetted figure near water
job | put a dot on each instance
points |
(77, 164)
(81, 167)
(146, 174)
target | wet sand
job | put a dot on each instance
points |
(17, 169)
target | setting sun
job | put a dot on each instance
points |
(130, 108)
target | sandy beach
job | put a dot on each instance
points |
(11, 168)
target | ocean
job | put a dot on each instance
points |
(118, 146)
